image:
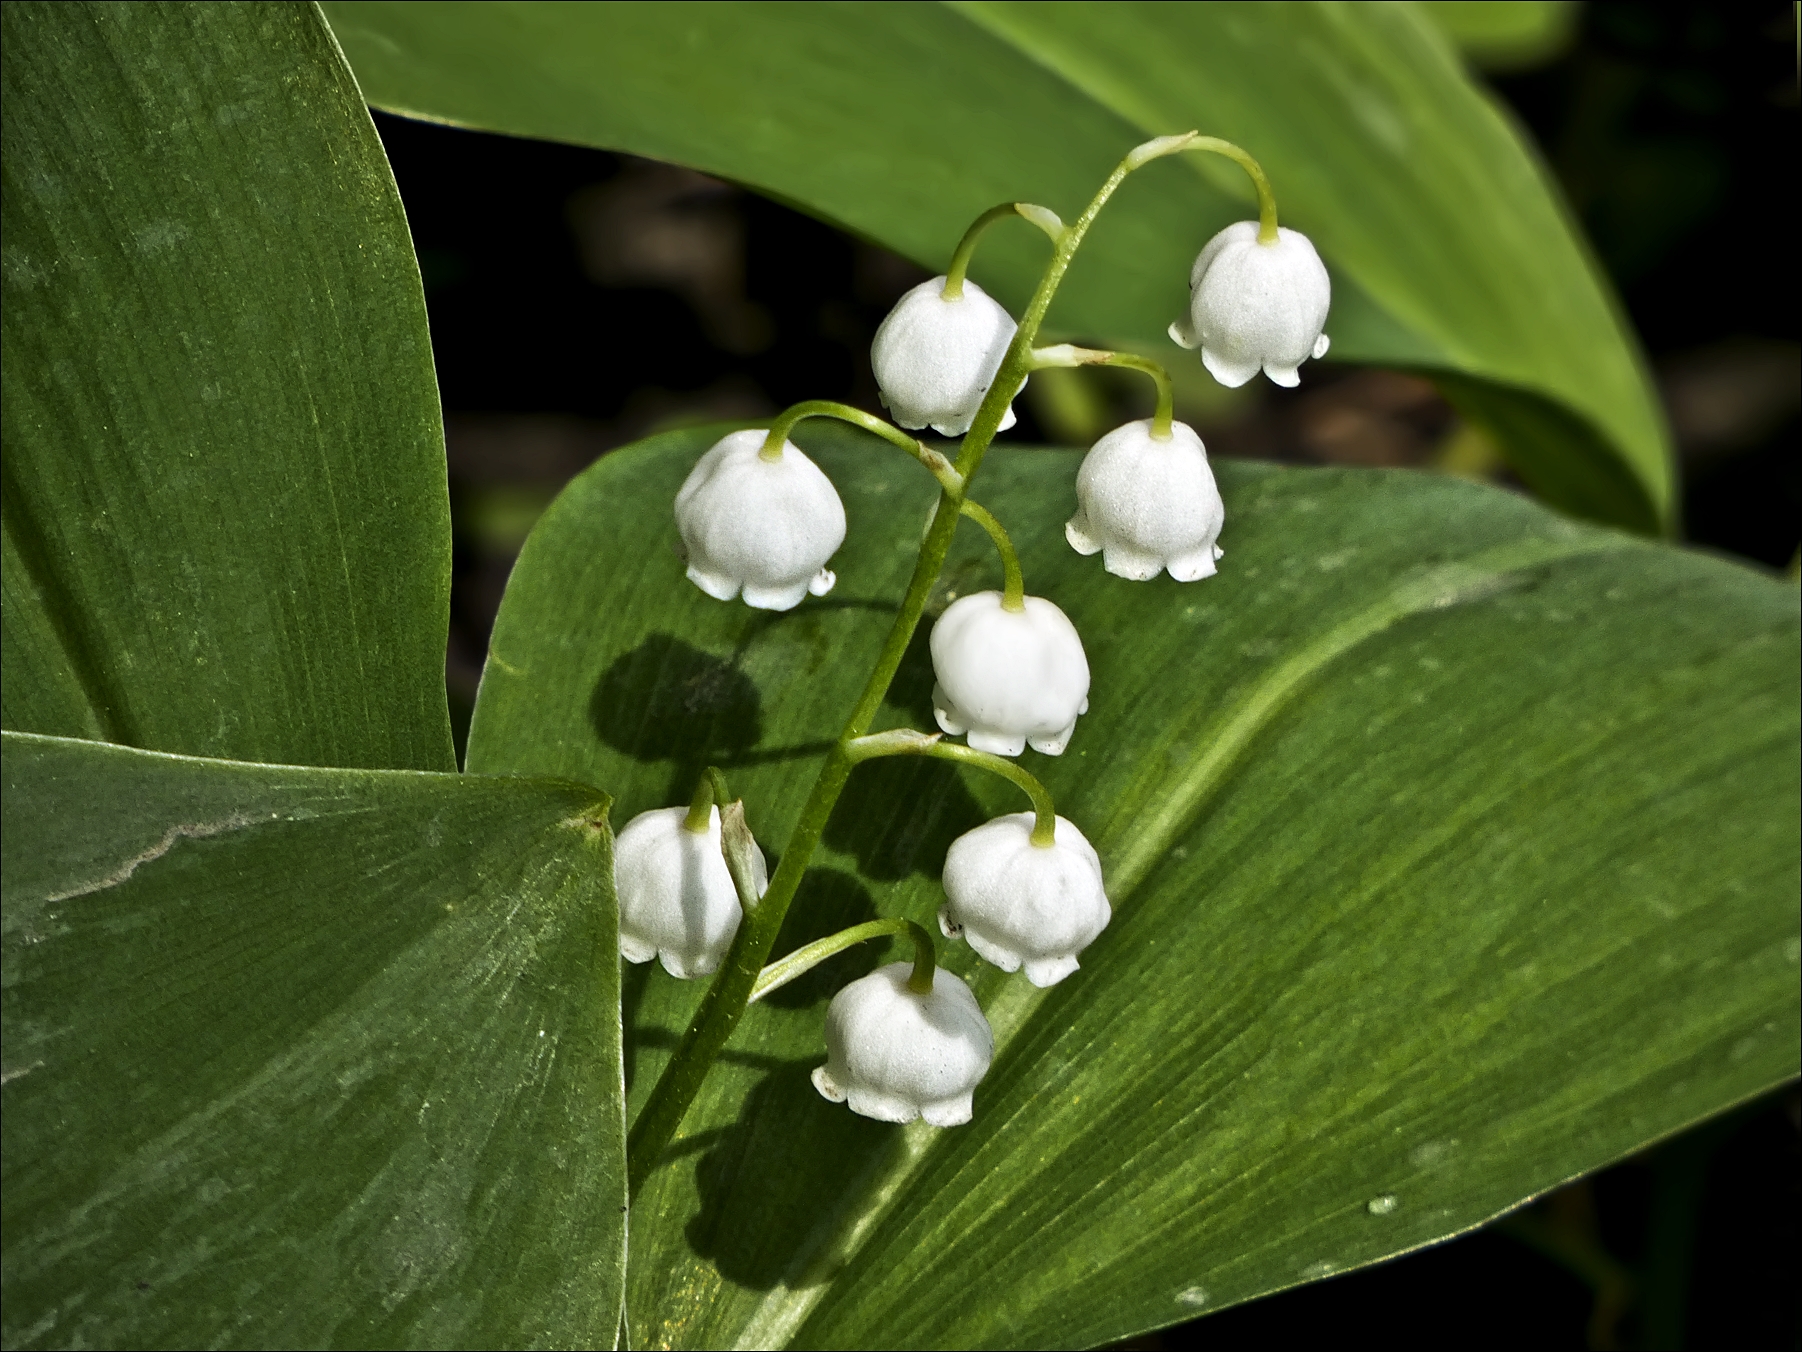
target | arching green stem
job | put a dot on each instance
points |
(1213, 145)
(907, 742)
(1065, 355)
(805, 959)
(1043, 217)
(710, 791)
(1013, 594)
(724, 1003)
(939, 467)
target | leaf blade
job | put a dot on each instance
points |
(1433, 819)
(225, 508)
(306, 1055)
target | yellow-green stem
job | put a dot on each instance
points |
(803, 960)
(1013, 586)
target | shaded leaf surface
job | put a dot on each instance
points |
(301, 1057)
(226, 523)
(1449, 249)
(1453, 850)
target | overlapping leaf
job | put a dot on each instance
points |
(300, 1057)
(1453, 850)
(226, 524)
(902, 122)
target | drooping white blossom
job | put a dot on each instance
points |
(1008, 678)
(676, 899)
(935, 358)
(895, 1055)
(1255, 305)
(1148, 505)
(1021, 904)
(763, 527)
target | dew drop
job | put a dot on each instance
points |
(1382, 1206)
(1193, 1296)
(1315, 1271)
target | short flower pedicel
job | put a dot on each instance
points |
(1020, 903)
(758, 518)
(1147, 505)
(764, 524)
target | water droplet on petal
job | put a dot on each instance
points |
(1382, 1206)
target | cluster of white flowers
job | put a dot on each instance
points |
(761, 520)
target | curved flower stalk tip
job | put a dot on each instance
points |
(759, 523)
(936, 354)
(1256, 305)
(677, 902)
(1148, 504)
(896, 1054)
(1022, 904)
(1008, 678)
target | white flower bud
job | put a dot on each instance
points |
(676, 899)
(1148, 505)
(935, 358)
(1256, 305)
(766, 526)
(896, 1055)
(1008, 677)
(1019, 903)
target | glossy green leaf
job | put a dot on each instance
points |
(226, 523)
(1506, 34)
(1450, 250)
(306, 1058)
(1453, 849)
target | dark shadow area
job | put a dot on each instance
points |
(826, 902)
(899, 815)
(634, 977)
(755, 1220)
(668, 700)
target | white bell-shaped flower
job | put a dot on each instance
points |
(1021, 904)
(1148, 505)
(1256, 305)
(935, 358)
(1008, 677)
(765, 527)
(895, 1055)
(676, 899)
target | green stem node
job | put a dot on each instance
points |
(805, 959)
(1013, 595)
(1042, 217)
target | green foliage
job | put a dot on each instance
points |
(306, 1057)
(1449, 249)
(1451, 847)
(226, 525)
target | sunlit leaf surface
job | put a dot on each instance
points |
(1450, 250)
(300, 1058)
(1453, 850)
(226, 523)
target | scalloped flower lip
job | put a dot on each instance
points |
(1148, 506)
(756, 527)
(895, 1055)
(934, 359)
(1256, 306)
(1008, 679)
(1022, 905)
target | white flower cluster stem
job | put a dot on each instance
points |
(758, 519)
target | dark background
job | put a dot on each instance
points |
(580, 300)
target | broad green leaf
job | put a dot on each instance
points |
(1450, 251)
(1453, 849)
(306, 1058)
(1505, 34)
(226, 523)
